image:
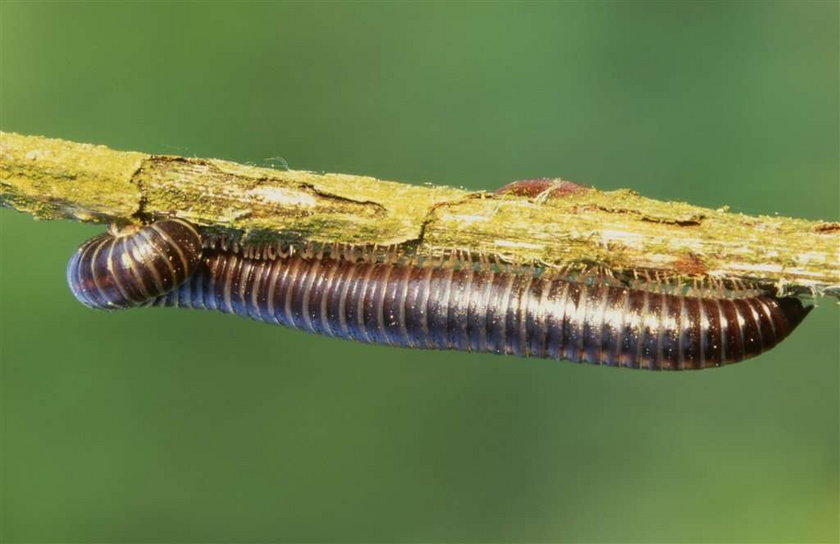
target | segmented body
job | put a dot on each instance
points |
(517, 314)
(485, 310)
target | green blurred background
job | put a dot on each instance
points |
(164, 426)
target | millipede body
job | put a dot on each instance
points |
(436, 307)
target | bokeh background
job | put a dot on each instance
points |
(169, 426)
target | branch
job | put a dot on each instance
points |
(618, 230)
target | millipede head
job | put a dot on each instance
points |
(134, 266)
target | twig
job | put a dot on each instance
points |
(618, 231)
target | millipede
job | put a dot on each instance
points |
(458, 304)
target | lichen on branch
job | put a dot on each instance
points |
(618, 230)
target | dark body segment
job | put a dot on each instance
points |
(467, 309)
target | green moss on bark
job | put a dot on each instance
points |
(616, 230)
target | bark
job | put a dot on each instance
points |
(617, 231)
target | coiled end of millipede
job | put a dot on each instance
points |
(134, 266)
